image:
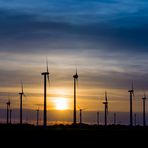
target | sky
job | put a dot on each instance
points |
(106, 39)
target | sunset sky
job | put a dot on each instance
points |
(106, 39)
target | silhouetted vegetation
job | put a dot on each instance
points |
(74, 134)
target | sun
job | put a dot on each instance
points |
(61, 104)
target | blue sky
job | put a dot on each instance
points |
(107, 39)
(92, 24)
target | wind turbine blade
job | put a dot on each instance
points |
(25, 96)
(133, 89)
(9, 98)
(48, 80)
(106, 96)
(22, 87)
(144, 94)
(76, 68)
(47, 71)
(133, 94)
(78, 107)
(132, 85)
(85, 108)
(47, 65)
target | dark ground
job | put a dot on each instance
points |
(69, 136)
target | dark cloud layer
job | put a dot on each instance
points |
(22, 30)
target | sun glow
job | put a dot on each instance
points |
(61, 104)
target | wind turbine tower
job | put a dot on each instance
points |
(131, 106)
(46, 76)
(75, 82)
(81, 110)
(21, 97)
(98, 118)
(10, 115)
(8, 108)
(37, 118)
(135, 119)
(106, 109)
(115, 118)
(144, 99)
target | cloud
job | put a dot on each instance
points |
(78, 27)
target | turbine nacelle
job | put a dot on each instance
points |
(106, 99)
(144, 98)
(75, 76)
(82, 109)
(132, 89)
(45, 73)
(21, 93)
(8, 103)
(105, 103)
(22, 89)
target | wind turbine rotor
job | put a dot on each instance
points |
(22, 87)
(47, 72)
(105, 96)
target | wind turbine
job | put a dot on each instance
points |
(8, 108)
(144, 99)
(10, 115)
(106, 108)
(115, 118)
(37, 117)
(131, 107)
(98, 118)
(75, 81)
(46, 76)
(21, 97)
(81, 110)
(135, 119)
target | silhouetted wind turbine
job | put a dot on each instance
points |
(37, 117)
(144, 99)
(8, 109)
(115, 118)
(81, 110)
(75, 81)
(10, 115)
(98, 118)
(21, 97)
(46, 76)
(131, 106)
(135, 119)
(106, 108)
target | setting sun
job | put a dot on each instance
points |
(61, 104)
